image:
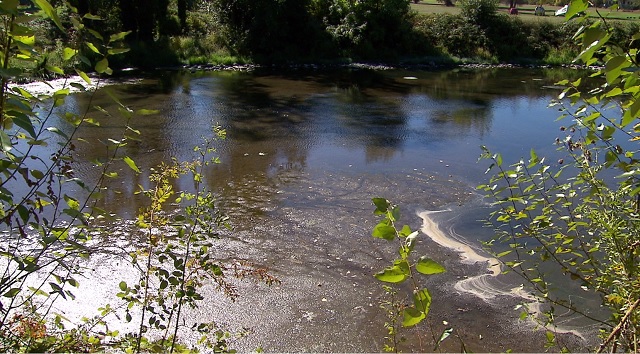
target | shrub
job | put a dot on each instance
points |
(266, 29)
(452, 34)
(572, 217)
(479, 12)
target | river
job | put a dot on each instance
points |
(306, 151)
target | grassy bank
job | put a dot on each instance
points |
(526, 12)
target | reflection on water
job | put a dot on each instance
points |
(307, 150)
(356, 121)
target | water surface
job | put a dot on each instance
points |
(306, 151)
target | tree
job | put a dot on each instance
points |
(182, 13)
(268, 29)
(46, 223)
(369, 28)
(143, 17)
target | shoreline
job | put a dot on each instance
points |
(75, 83)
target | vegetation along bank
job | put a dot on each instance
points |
(173, 32)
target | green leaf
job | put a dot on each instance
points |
(54, 69)
(631, 113)
(95, 34)
(394, 214)
(10, 6)
(502, 254)
(37, 174)
(428, 266)
(5, 141)
(102, 66)
(576, 7)
(92, 17)
(50, 12)
(24, 213)
(533, 156)
(422, 300)
(123, 286)
(614, 67)
(84, 76)
(381, 205)
(28, 40)
(550, 336)
(118, 36)
(131, 163)
(406, 231)
(116, 51)
(68, 53)
(92, 47)
(78, 86)
(445, 334)
(12, 292)
(412, 316)
(10, 73)
(25, 123)
(72, 202)
(391, 275)
(403, 265)
(384, 230)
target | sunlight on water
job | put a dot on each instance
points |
(306, 152)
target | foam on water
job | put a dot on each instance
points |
(489, 286)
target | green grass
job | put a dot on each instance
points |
(434, 7)
(526, 12)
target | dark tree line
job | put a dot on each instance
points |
(316, 28)
(144, 18)
(271, 29)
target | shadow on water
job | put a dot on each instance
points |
(306, 151)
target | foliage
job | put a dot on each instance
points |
(52, 221)
(453, 34)
(573, 218)
(507, 39)
(368, 28)
(312, 30)
(266, 29)
(177, 260)
(202, 50)
(47, 213)
(403, 269)
(479, 12)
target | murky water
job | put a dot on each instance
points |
(306, 151)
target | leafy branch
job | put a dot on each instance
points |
(404, 268)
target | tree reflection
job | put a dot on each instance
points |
(276, 120)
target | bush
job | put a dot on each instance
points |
(199, 24)
(266, 29)
(479, 12)
(452, 34)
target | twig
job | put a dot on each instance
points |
(615, 331)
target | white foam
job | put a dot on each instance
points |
(484, 286)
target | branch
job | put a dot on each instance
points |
(616, 330)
